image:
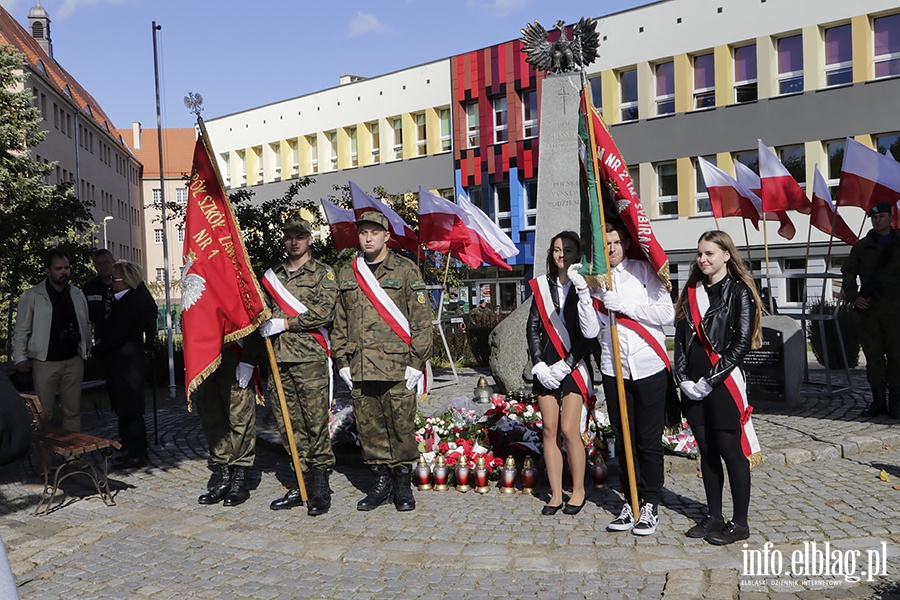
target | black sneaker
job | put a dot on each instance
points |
(624, 521)
(705, 527)
(729, 534)
(646, 524)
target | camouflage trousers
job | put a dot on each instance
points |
(228, 414)
(385, 414)
(306, 394)
(880, 340)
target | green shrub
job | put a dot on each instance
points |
(849, 323)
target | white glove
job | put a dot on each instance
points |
(559, 370)
(613, 301)
(542, 372)
(412, 378)
(345, 375)
(689, 389)
(243, 374)
(577, 278)
(703, 388)
(272, 327)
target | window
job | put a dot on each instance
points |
(181, 235)
(421, 140)
(834, 152)
(157, 197)
(667, 188)
(887, 46)
(794, 159)
(501, 122)
(397, 127)
(260, 175)
(749, 159)
(745, 89)
(446, 130)
(160, 275)
(181, 195)
(796, 286)
(529, 113)
(276, 158)
(502, 207)
(701, 196)
(474, 194)
(790, 64)
(704, 80)
(376, 142)
(635, 174)
(530, 203)
(333, 150)
(354, 148)
(295, 158)
(665, 88)
(889, 145)
(838, 55)
(157, 236)
(629, 95)
(472, 125)
(597, 93)
(313, 153)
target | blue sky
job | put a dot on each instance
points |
(239, 55)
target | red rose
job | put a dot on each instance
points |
(443, 446)
(451, 460)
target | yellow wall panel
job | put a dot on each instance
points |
(684, 83)
(863, 53)
(724, 76)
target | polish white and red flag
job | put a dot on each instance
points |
(402, 235)
(750, 180)
(727, 196)
(867, 177)
(451, 229)
(823, 213)
(342, 223)
(488, 229)
(780, 191)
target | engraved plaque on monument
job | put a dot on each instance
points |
(775, 371)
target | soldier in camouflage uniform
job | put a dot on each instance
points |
(875, 262)
(381, 368)
(303, 363)
(226, 404)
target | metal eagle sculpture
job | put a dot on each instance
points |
(565, 55)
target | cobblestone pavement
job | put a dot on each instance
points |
(820, 483)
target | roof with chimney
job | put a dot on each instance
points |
(178, 150)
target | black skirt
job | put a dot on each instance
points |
(568, 386)
(718, 410)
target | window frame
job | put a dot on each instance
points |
(704, 97)
(785, 79)
(746, 85)
(665, 199)
(500, 119)
(502, 216)
(529, 121)
(158, 236)
(842, 68)
(627, 108)
(397, 130)
(701, 197)
(473, 131)
(664, 100)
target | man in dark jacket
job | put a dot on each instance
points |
(871, 283)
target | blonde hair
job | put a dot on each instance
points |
(737, 269)
(132, 273)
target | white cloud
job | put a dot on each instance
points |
(362, 23)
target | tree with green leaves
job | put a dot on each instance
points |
(34, 216)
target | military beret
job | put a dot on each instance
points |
(373, 216)
(880, 208)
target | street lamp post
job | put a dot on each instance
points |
(105, 241)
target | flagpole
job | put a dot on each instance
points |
(747, 240)
(613, 326)
(286, 419)
(768, 279)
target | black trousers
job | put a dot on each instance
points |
(646, 401)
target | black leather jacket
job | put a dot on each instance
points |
(539, 346)
(728, 327)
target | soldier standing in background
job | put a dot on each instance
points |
(382, 338)
(302, 293)
(226, 402)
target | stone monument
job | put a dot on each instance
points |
(775, 371)
(558, 198)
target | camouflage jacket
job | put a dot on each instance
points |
(363, 341)
(314, 285)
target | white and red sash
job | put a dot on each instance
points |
(383, 304)
(558, 334)
(639, 329)
(698, 304)
(292, 307)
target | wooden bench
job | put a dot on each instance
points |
(75, 449)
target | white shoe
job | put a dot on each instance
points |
(646, 525)
(624, 521)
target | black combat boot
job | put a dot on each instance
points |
(381, 489)
(403, 495)
(879, 403)
(291, 499)
(238, 493)
(320, 498)
(218, 492)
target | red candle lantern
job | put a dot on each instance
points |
(441, 472)
(508, 476)
(423, 474)
(599, 471)
(481, 476)
(462, 474)
(529, 476)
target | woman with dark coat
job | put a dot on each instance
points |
(717, 321)
(562, 378)
(131, 317)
